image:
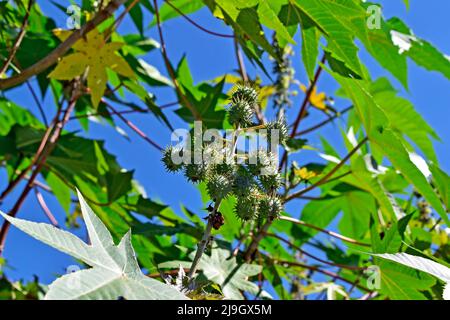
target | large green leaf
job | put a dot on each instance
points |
(224, 270)
(425, 265)
(377, 41)
(115, 272)
(319, 213)
(293, 17)
(339, 37)
(401, 283)
(401, 159)
(357, 208)
(244, 19)
(12, 114)
(268, 15)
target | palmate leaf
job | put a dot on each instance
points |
(267, 12)
(95, 53)
(115, 272)
(339, 37)
(232, 277)
(400, 283)
(328, 208)
(223, 269)
(362, 178)
(244, 19)
(291, 16)
(426, 265)
(376, 40)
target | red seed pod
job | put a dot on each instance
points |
(217, 220)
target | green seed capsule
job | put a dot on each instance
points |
(168, 158)
(261, 162)
(219, 187)
(226, 169)
(245, 94)
(196, 172)
(270, 207)
(240, 114)
(246, 207)
(270, 182)
(243, 183)
(282, 128)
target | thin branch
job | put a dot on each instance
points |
(144, 111)
(38, 103)
(330, 233)
(161, 274)
(256, 240)
(18, 41)
(120, 19)
(41, 185)
(196, 24)
(41, 155)
(13, 183)
(132, 126)
(240, 60)
(245, 79)
(321, 124)
(204, 242)
(317, 269)
(169, 68)
(328, 176)
(295, 247)
(45, 208)
(53, 56)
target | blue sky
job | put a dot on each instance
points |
(209, 57)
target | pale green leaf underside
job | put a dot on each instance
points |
(115, 271)
(426, 265)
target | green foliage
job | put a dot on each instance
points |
(115, 272)
(383, 202)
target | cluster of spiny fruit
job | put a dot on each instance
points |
(254, 180)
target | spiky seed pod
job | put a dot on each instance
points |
(261, 162)
(196, 172)
(227, 169)
(281, 126)
(212, 155)
(245, 94)
(246, 207)
(219, 187)
(270, 182)
(241, 114)
(243, 182)
(270, 207)
(168, 158)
